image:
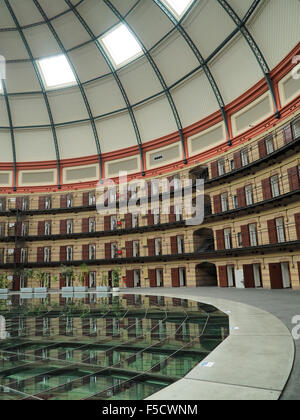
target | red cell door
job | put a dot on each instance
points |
(276, 276)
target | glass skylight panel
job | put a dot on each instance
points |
(121, 45)
(178, 7)
(56, 72)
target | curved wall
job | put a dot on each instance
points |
(248, 116)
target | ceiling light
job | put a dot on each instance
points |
(56, 72)
(178, 7)
(121, 45)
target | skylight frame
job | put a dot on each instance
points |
(58, 85)
(111, 55)
(172, 8)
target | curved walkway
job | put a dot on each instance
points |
(256, 361)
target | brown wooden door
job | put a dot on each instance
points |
(175, 277)
(214, 169)
(62, 281)
(245, 236)
(174, 246)
(220, 239)
(294, 180)
(130, 278)
(266, 188)
(63, 227)
(217, 204)
(129, 249)
(241, 196)
(249, 281)
(297, 223)
(237, 160)
(262, 148)
(85, 252)
(63, 253)
(40, 254)
(85, 199)
(223, 278)
(128, 221)
(41, 228)
(288, 134)
(42, 202)
(85, 225)
(152, 277)
(150, 218)
(108, 251)
(151, 247)
(272, 231)
(107, 225)
(63, 201)
(172, 215)
(276, 276)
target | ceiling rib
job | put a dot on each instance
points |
(201, 60)
(254, 48)
(173, 85)
(158, 74)
(83, 94)
(12, 134)
(117, 79)
(42, 88)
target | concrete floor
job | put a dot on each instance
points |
(284, 304)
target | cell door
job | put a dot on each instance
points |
(286, 278)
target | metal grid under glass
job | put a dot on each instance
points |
(102, 347)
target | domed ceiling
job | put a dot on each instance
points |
(91, 77)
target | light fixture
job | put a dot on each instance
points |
(56, 72)
(178, 7)
(121, 46)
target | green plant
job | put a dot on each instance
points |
(28, 274)
(115, 276)
(42, 278)
(104, 280)
(68, 273)
(3, 281)
(84, 271)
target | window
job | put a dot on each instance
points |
(249, 195)
(23, 255)
(178, 7)
(92, 199)
(47, 228)
(25, 204)
(121, 45)
(158, 248)
(177, 182)
(235, 201)
(92, 252)
(136, 248)
(69, 227)
(56, 72)
(224, 202)
(2, 204)
(159, 277)
(253, 234)
(280, 230)
(232, 165)
(92, 225)
(245, 157)
(113, 222)
(114, 250)
(227, 237)
(92, 280)
(69, 201)
(269, 145)
(2, 230)
(137, 278)
(221, 167)
(239, 240)
(156, 217)
(178, 212)
(182, 277)
(24, 229)
(46, 254)
(275, 186)
(135, 220)
(69, 253)
(180, 244)
(47, 203)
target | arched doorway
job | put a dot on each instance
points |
(206, 275)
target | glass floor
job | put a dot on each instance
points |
(102, 347)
